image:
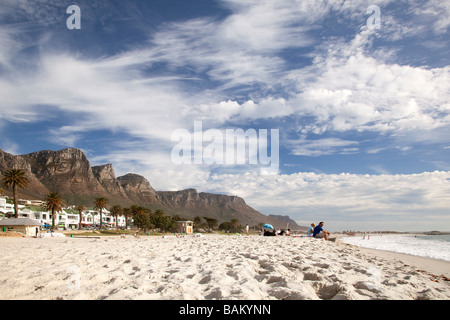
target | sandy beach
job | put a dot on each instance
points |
(212, 267)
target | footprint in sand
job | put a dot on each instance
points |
(205, 280)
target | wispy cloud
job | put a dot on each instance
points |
(319, 147)
(349, 198)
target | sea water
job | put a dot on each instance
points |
(429, 246)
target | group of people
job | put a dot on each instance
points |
(318, 231)
(313, 231)
(279, 232)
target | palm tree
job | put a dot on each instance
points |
(80, 209)
(100, 204)
(15, 178)
(54, 204)
(197, 220)
(127, 212)
(116, 211)
(141, 217)
(234, 224)
(211, 223)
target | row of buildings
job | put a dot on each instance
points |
(69, 218)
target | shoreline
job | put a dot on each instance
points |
(435, 267)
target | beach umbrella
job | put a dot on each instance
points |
(267, 226)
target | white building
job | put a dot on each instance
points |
(28, 227)
(67, 219)
(3, 207)
(7, 208)
(92, 217)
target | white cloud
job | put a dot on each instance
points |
(347, 89)
(355, 199)
(155, 165)
(321, 147)
(435, 12)
(10, 146)
(375, 150)
(103, 98)
(263, 26)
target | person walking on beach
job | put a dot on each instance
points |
(320, 233)
(246, 228)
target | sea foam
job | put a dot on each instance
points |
(436, 247)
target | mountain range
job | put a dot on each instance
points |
(69, 173)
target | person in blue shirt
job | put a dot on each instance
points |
(320, 233)
(310, 231)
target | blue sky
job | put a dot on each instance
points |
(363, 114)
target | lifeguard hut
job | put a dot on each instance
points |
(26, 226)
(185, 226)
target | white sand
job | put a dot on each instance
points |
(209, 267)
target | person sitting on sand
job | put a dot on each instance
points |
(268, 233)
(320, 233)
(310, 231)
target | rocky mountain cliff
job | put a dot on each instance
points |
(191, 203)
(107, 178)
(138, 189)
(291, 224)
(69, 172)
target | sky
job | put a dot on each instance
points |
(342, 107)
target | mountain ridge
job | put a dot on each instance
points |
(68, 172)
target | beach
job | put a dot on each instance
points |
(230, 267)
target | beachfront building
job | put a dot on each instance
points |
(62, 219)
(26, 226)
(185, 226)
(68, 218)
(92, 218)
(3, 208)
(27, 202)
(7, 208)
(89, 218)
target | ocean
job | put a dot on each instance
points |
(436, 247)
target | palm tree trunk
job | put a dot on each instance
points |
(53, 218)
(16, 205)
(79, 226)
(101, 220)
